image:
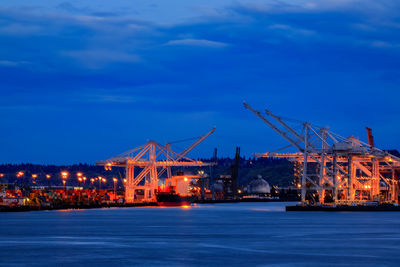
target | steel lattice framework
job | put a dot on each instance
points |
(334, 169)
(154, 162)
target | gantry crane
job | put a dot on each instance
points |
(152, 160)
(333, 169)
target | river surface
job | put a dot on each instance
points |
(239, 234)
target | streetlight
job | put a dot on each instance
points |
(79, 191)
(20, 174)
(34, 176)
(48, 176)
(100, 179)
(64, 176)
(115, 180)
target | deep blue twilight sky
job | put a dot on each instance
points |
(84, 80)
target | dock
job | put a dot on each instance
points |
(344, 208)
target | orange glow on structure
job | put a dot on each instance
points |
(186, 207)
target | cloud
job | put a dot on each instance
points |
(69, 7)
(9, 63)
(19, 29)
(97, 59)
(105, 98)
(197, 42)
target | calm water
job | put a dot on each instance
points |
(226, 234)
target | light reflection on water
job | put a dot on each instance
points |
(213, 234)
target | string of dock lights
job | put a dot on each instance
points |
(65, 175)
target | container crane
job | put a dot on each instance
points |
(341, 171)
(152, 160)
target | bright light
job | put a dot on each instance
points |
(115, 180)
(79, 174)
(104, 180)
(92, 180)
(124, 180)
(34, 176)
(185, 179)
(64, 174)
(48, 176)
(80, 179)
(20, 174)
(186, 207)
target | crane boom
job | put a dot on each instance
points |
(270, 124)
(187, 150)
(284, 125)
(197, 142)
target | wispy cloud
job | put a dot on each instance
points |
(197, 42)
(10, 63)
(105, 98)
(97, 59)
(19, 29)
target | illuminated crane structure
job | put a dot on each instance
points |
(333, 169)
(145, 166)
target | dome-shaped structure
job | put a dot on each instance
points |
(259, 186)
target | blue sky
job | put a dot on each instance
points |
(81, 81)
